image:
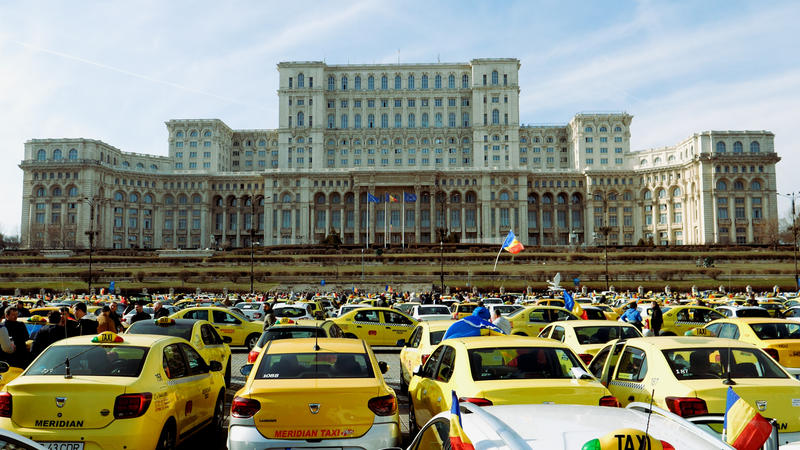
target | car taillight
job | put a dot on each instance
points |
(244, 407)
(774, 353)
(257, 315)
(128, 406)
(687, 406)
(585, 357)
(609, 400)
(476, 401)
(5, 404)
(252, 356)
(425, 358)
(383, 406)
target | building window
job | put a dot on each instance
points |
(720, 147)
(495, 79)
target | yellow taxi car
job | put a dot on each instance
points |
(500, 370)
(550, 302)
(229, 324)
(314, 393)
(780, 338)
(608, 311)
(8, 373)
(419, 346)
(691, 375)
(680, 319)
(317, 310)
(294, 329)
(114, 392)
(200, 333)
(377, 326)
(587, 337)
(774, 307)
(530, 320)
(461, 310)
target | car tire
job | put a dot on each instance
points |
(251, 341)
(228, 374)
(403, 384)
(413, 428)
(215, 429)
(667, 333)
(166, 440)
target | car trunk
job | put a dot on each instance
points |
(287, 408)
(85, 402)
(782, 397)
(788, 351)
(558, 391)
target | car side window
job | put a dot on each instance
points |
(715, 328)
(711, 315)
(394, 318)
(445, 370)
(727, 312)
(369, 315)
(197, 365)
(729, 331)
(416, 337)
(538, 315)
(225, 318)
(434, 436)
(632, 365)
(198, 314)
(334, 331)
(562, 315)
(173, 362)
(429, 370)
(206, 335)
(596, 367)
(545, 331)
(558, 334)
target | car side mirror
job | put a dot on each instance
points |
(4, 367)
(246, 369)
(383, 366)
(227, 339)
(215, 366)
(401, 342)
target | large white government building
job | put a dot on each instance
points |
(450, 134)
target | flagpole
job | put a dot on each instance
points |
(498, 255)
(403, 222)
(385, 221)
(366, 241)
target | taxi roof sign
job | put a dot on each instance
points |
(37, 319)
(285, 321)
(627, 438)
(107, 337)
(164, 321)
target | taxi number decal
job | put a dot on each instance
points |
(226, 331)
(161, 401)
(323, 433)
(271, 375)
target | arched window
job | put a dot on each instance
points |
(410, 82)
(384, 82)
(720, 147)
(169, 200)
(193, 133)
(437, 82)
(470, 197)
(617, 129)
(662, 193)
(343, 121)
(504, 196)
(612, 196)
(424, 82)
(119, 196)
(133, 198)
(73, 154)
(722, 185)
(41, 155)
(300, 119)
(300, 80)
(755, 147)
(648, 195)
(603, 129)
(179, 134)
(587, 130)
(494, 77)
(495, 117)
(738, 185)
(424, 120)
(371, 121)
(464, 81)
(371, 83)
(547, 199)
(357, 121)
(344, 83)
(576, 199)
(40, 192)
(320, 199)
(357, 83)
(411, 121)
(56, 155)
(56, 191)
(438, 120)
(384, 120)
(455, 197)
(331, 83)
(335, 198)
(676, 192)
(73, 191)
(287, 198)
(148, 199)
(643, 162)
(183, 199)
(737, 147)
(561, 199)
(755, 185)
(628, 196)
(397, 82)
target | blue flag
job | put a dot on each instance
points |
(409, 197)
(569, 303)
(111, 287)
(372, 199)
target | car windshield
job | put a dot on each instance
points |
(776, 330)
(278, 366)
(433, 309)
(522, 363)
(290, 311)
(709, 363)
(603, 333)
(436, 337)
(150, 327)
(94, 360)
(278, 333)
(246, 306)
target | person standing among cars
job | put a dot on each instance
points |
(114, 316)
(140, 314)
(105, 322)
(632, 316)
(159, 311)
(85, 326)
(52, 332)
(656, 319)
(18, 333)
(500, 321)
(6, 344)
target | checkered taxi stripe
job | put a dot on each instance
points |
(628, 384)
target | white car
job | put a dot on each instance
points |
(252, 310)
(742, 311)
(431, 312)
(492, 301)
(126, 319)
(505, 310)
(294, 311)
(344, 309)
(566, 427)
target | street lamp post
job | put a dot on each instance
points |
(362, 264)
(91, 234)
(252, 242)
(604, 230)
(441, 197)
(793, 195)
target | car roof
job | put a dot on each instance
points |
(757, 320)
(504, 341)
(591, 323)
(305, 345)
(145, 340)
(672, 342)
(436, 325)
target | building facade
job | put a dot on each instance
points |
(444, 140)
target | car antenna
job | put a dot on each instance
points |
(728, 380)
(316, 341)
(67, 372)
(650, 409)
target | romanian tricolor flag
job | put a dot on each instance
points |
(511, 244)
(391, 198)
(458, 439)
(572, 305)
(745, 428)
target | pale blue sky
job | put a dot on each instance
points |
(116, 71)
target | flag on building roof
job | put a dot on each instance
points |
(745, 428)
(511, 244)
(458, 438)
(391, 198)
(372, 199)
(408, 198)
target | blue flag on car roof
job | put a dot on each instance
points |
(475, 325)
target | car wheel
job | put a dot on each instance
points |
(215, 428)
(403, 384)
(413, 428)
(228, 374)
(251, 341)
(166, 440)
(667, 333)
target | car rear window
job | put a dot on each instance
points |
(149, 327)
(709, 363)
(93, 360)
(752, 312)
(602, 334)
(522, 363)
(434, 310)
(466, 308)
(290, 312)
(283, 366)
(436, 337)
(767, 331)
(244, 306)
(278, 333)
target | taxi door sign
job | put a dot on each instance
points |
(627, 439)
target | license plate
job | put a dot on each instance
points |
(63, 445)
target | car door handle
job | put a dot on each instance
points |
(358, 326)
(630, 398)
